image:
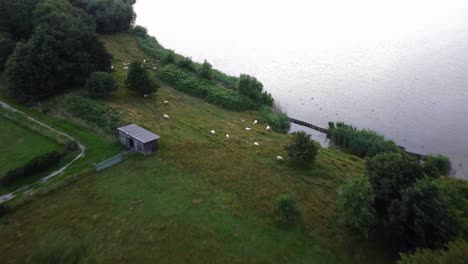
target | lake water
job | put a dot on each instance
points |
(400, 68)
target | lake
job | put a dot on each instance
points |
(399, 68)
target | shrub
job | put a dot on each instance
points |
(139, 80)
(456, 191)
(287, 211)
(301, 148)
(279, 121)
(437, 165)
(169, 57)
(139, 31)
(251, 87)
(363, 143)
(355, 202)
(101, 84)
(205, 71)
(7, 46)
(186, 63)
(111, 15)
(454, 252)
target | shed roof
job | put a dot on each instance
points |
(138, 133)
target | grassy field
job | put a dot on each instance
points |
(19, 145)
(201, 199)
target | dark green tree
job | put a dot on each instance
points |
(139, 31)
(139, 80)
(437, 165)
(186, 63)
(7, 46)
(169, 57)
(389, 173)
(16, 17)
(101, 84)
(454, 252)
(206, 70)
(111, 15)
(301, 148)
(251, 87)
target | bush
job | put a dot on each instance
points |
(7, 46)
(363, 143)
(301, 148)
(455, 252)
(192, 84)
(101, 84)
(287, 211)
(169, 57)
(456, 191)
(205, 71)
(437, 165)
(100, 116)
(139, 31)
(355, 202)
(251, 87)
(139, 80)
(111, 15)
(186, 63)
(279, 121)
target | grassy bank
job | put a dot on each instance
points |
(201, 199)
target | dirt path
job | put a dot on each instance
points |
(12, 195)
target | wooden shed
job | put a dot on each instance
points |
(138, 139)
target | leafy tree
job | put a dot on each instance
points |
(7, 46)
(355, 202)
(169, 57)
(455, 252)
(101, 84)
(287, 211)
(421, 218)
(16, 17)
(139, 80)
(456, 191)
(63, 51)
(437, 165)
(206, 70)
(111, 15)
(389, 173)
(251, 87)
(186, 63)
(301, 148)
(140, 31)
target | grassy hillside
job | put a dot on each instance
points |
(201, 199)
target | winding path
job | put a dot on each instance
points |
(12, 195)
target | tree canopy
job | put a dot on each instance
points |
(139, 80)
(16, 17)
(111, 15)
(301, 148)
(101, 84)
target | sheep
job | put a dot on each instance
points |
(255, 122)
(166, 102)
(144, 61)
(125, 68)
(268, 128)
(279, 158)
(227, 136)
(154, 68)
(256, 144)
(112, 67)
(248, 128)
(166, 116)
(146, 95)
(212, 132)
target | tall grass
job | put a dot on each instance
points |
(363, 143)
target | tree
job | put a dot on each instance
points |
(301, 148)
(251, 87)
(437, 165)
(7, 46)
(139, 80)
(287, 211)
(140, 31)
(16, 17)
(205, 70)
(389, 173)
(63, 51)
(355, 202)
(186, 63)
(421, 218)
(101, 84)
(111, 15)
(169, 57)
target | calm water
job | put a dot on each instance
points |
(400, 69)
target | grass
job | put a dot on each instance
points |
(19, 145)
(201, 199)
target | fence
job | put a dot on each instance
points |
(108, 163)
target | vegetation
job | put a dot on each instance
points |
(111, 15)
(363, 143)
(437, 165)
(206, 71)
(252, 88)
(101, 84)
(355, 203)
(53, 58)
(140, 81)
(302, 149)
(287, 211)
(7, 45)
(456, 252)
(16, 17)
(278, 120)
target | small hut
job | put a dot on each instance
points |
(138, 139)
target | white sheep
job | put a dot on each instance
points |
(146, 95)
(268, 128)
(279, 158)
(248, 128)
(125, 68)
(144, 61)
(256, 144)
(255, 122)
(227, 136)
(166, 102)
(112, 67)
(213, 132)
(154, 68)
(166, 116)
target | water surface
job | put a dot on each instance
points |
(399, 68)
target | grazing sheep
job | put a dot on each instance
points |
(166, 102)
(213, 132)
(227, 136)
(279, 158)
(268, 128)
(166, 116)
(112, 67)
(256, 144)
(248, 128)
(144, 61)
(125, 68)
(146, 95)
(255, 122)
(154, 68)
